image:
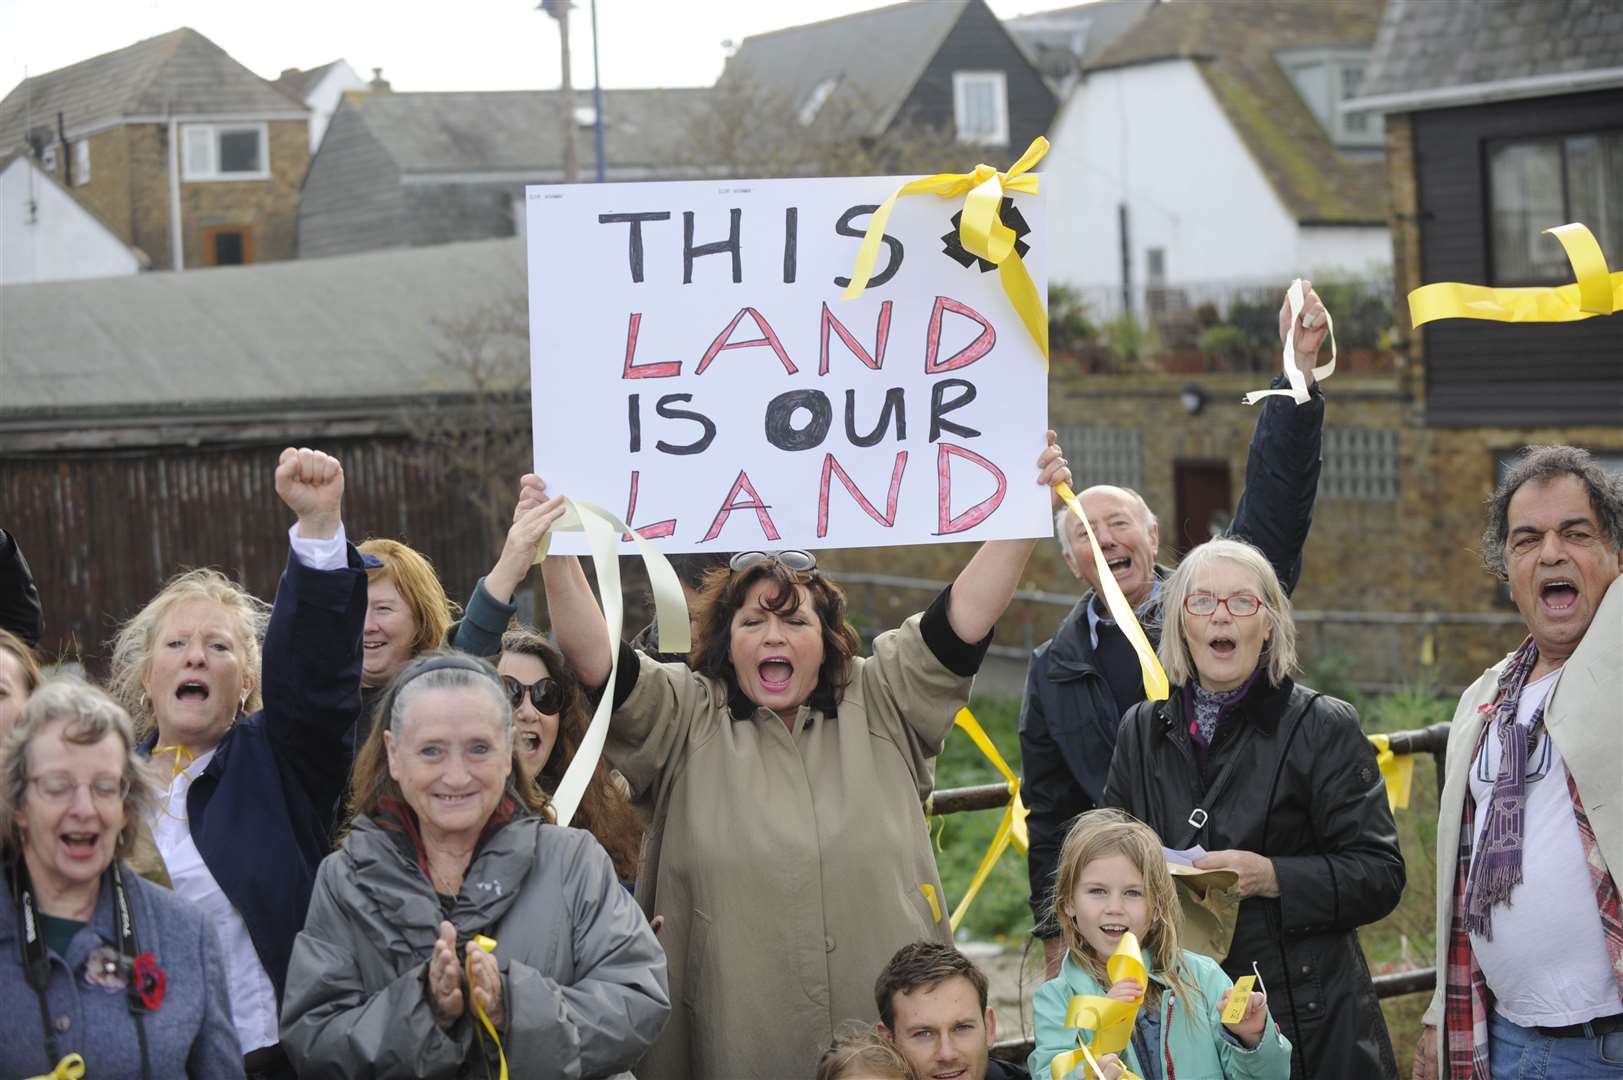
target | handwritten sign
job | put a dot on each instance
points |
(694, 366)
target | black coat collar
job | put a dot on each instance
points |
(1262, 707)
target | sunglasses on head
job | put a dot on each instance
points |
(792, 559)
(547, 695)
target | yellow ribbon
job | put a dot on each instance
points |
(980, 230)
(1012, 829)
(71, 1067)
(1597, 291)
(1111, 1020)
(178, 751)
(603, 531)
(1396, 769)
(486, 944)
(1156, 687)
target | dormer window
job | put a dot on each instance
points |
(814, 100)
(980, 107)
(1326, 78)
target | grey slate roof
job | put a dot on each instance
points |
(236, 339)
(518, 130)
(181, 72)
(1476, 48)
(1052, 37)
(297, 84)
(877, 55)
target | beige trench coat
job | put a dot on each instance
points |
(788, 865)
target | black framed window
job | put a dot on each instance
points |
(1536, 183)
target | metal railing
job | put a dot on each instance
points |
(1431, 741)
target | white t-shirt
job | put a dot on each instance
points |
(253, 996)
(1547, 963)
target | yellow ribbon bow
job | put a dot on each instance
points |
(178, 752)
(1111, 1020)
(980, 230)
(485, 944)
(1012, 829)
(1156, 687)
(1597, 291)
(1396, 769)
(71, 1067)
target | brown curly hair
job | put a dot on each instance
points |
(724, 594)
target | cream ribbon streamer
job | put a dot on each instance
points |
(603, 530)
(1298, 388)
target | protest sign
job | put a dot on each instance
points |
(695, 369)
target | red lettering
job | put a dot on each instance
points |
(767, 338)
(975, 514)
(881, 335)
(831, 467)
(969, 353)
(728, 505)
(633, 370)
(647, 532)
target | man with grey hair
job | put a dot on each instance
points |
(1085, 678)
(1530, 832)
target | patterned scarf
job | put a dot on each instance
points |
(1496, 868)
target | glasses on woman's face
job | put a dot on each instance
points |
(546, 695)
(58, 789)
(792, 559)
(1241, 605)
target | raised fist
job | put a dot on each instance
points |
(311, 483)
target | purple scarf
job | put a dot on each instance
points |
(1496, 868)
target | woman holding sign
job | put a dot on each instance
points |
(1277, 783)
(784, 775)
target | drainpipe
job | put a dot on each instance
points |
(174, 196)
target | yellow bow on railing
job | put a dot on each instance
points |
(1396, 769)
(71, 1067)
(1012, 829)
(1597, 291)
(1110, 1019)
(486, 944)
(980, 230)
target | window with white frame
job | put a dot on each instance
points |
(225, 151)
(1327, 78)
(980, 107)
(1534, 183)
(81, 162)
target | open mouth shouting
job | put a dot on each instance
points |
(776, 673)
(1558, 596)
(192, 691)
(80, 846)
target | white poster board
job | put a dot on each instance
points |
(695, 370)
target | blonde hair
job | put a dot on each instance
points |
(862, 1053)
(90, 716)
(132, 648)
(1099, 834)
(1280, 651)
(413, 576)
(33, 677)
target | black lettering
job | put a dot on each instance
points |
(780, 428)
(940, 407)
(689, 252)
(636, 220)
(893, 404)
(664, 408)
(791, 235)
(634, 422)
(893, 262)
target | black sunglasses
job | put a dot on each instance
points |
(792, 559)
(547, 695)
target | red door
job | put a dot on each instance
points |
(1203, 502)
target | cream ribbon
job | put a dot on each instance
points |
(1298, 382)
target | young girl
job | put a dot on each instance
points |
(1113, 878)
(862, 1055)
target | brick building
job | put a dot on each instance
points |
(185, 153)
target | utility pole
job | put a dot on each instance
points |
(559, 9)
(597, 98)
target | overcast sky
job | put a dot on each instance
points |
(422, 45)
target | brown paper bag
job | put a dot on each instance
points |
(1209, 901)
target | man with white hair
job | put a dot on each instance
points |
(1083, 679)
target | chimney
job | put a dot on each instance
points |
(379, 84)
(287, 73)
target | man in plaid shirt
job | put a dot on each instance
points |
(1530, 837)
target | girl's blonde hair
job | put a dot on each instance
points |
(862, 1053)
(133, 647)
(1099, 834)
(1279, 653)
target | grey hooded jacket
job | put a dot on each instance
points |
(583, 978)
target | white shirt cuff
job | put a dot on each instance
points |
(330, 554)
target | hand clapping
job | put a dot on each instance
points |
(444, 986)
(311, 483)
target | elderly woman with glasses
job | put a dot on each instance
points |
(784, 776)
(1278, 784)
(101, 972)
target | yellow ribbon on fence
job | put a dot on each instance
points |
(1396, 769)
(1597, 291)
(980, 230)
(1110, 1019)
(488, 945)
(1012, 829)
(1156, 687)
(71, 1067)
(603, 530)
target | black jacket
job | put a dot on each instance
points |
(19, 600)
(1291, 776)
(1069, 717)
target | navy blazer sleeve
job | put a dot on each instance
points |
(312, 672)
(1275, 511)
(19, 599)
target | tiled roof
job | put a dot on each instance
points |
(1424, 45)
(877, 56)
(297, 84)
(181, 73)
(1234, 44)
(519, 129)
(1058, 32)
